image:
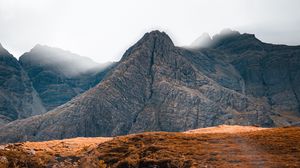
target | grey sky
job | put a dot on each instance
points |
(103, 30)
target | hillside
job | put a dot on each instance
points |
(223, 146)
(157, 86)
(43, 79)
(18, 98)
(58, 75)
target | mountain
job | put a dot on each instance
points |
(157, 86)
(204, 41)
(270, 72)
(18, 99)
(43, 79)
(59, 75)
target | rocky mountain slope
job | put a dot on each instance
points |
(157, 86)
(59, 75)
(222, 146)
(270, 72)
(43, 79)
(18, 99)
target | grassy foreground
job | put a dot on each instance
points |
(223, 146)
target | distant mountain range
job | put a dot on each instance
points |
(59, 75)
(231, 78)
(43, 79)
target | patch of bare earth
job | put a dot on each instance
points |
(232, 129)
(222, 146)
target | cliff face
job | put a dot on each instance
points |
(18, 99)
(160, 87)
(270, 72)
(59, 75)
(43, 79)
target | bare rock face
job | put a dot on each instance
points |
(59, 75)
(155, 87)
(270, 72)
(18, 99)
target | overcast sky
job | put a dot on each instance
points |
(103, 30)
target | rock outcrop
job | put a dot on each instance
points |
(270, 72)
(157, 86)
(18, 99)
(43, 79)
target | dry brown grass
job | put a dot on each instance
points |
(64, 153)
(278, 147)
(231, 129)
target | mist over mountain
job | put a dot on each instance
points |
(268, 71)
(204, 41)
(43, 79)
(157, 86)
(59, 75)
(60, 61)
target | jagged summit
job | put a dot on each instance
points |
(18, 99)
(226, 37)
(204, 41)
(4, 52)
(39, 46)
(7, 59)
(47, 49)
(59, 75)
(227, 32)
(61, 61)
(155, 40)
(160, 87)
(158, 34)
(161, 41)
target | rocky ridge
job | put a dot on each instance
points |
(270, 72)
(59, 75)
(157, 86)
(18, 99)
(43, 79)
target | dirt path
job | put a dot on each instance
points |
(252, 156)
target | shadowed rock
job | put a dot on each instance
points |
(59, 75)
(18, 99)
(155, 87)
(270, 72)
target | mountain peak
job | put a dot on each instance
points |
(229, 32)
(225, 37)
(229, 35)
(203, 41)
(38, 46)
(158, 87)
(157, 35)
(59, 60)
(1, 48)
(154, 40)
(46, 48)
(4, 52)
